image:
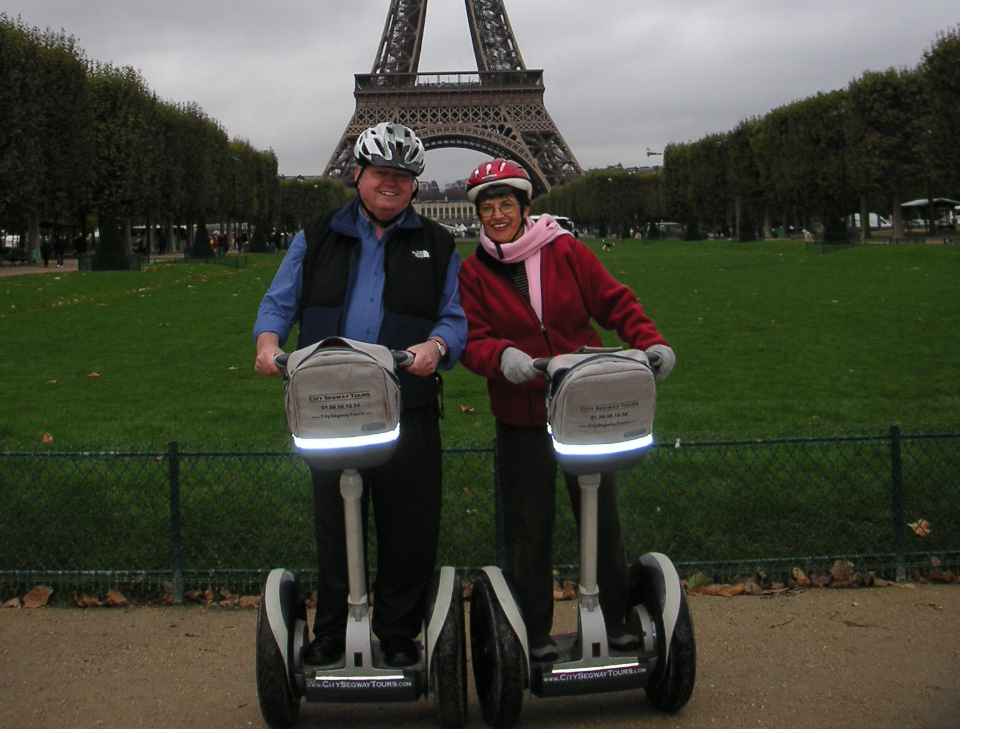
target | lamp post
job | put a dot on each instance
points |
(660, 194)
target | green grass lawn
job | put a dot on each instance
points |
(773, 339)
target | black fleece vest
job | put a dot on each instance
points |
(415, 265)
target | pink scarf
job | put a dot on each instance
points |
(527, 248)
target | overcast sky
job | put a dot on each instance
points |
(620, 76)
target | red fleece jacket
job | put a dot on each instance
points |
(576, 289)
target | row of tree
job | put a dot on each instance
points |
(889, 136)
(85, 144)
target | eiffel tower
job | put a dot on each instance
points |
(497, 110)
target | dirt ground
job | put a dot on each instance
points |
(871, 658)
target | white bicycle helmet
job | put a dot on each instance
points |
(391, 145)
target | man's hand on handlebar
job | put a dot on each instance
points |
(427, 358)
(267, 348)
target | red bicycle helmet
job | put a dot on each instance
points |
(498, 172)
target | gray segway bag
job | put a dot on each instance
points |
(600, 409)
(343, 403)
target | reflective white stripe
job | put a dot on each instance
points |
(357, 441)
(602, 449)
(596, 669)
(367, 678)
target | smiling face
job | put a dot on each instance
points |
(386, 192)
(502, 218)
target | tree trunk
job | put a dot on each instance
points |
(737, 216)
(897, 218)
(34, 238)
(170, 236)
(767, 223)
(865, 224)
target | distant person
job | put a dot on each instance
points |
(532, 290)
(377, 271)
(60, 250)
(46, 250)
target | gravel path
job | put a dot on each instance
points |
(872, 658)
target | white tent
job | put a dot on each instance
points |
(921, 203)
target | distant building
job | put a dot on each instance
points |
(447, 212)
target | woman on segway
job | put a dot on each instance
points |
(532, 290)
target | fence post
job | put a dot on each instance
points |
(898, 504)
(176, 541)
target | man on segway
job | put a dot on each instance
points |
(376, 271)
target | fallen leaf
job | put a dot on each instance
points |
(570, 590)
(800, 578)
(14, 602)
(921, 527)
(936, 576)
(698, 579)
(53, 381)
(248, 601)
(715, 589)
(842, 572)
(115, 599)
(85, 600)
(37, 597)
(47, 438)
(94, 375)
(820, 581)
(194, 596)
(752, 587)
(466, 409)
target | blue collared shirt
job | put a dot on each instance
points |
(365, 297)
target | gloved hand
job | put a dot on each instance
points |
(666, 363)
(517, 366)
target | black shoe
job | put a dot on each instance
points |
(399, 651)
(542, 649)
(624, 642)
(324, 650)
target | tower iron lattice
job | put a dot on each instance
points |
(497, 109)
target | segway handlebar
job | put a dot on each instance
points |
(543, 362)
(402, 358)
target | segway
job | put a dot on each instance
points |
(600, 406)
(342, 399)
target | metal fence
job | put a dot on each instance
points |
(162, 522)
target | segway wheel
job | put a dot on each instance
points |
(500, 672)
(670, 685)
(449, 665)
(279, 703)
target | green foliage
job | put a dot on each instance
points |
(941, 71)
(890, 135)
(303, 199)
(79, 138)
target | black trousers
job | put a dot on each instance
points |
(527, 473)
(406, 495)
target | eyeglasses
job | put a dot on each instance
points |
(507, 208)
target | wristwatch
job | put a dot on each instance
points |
(440, 344)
